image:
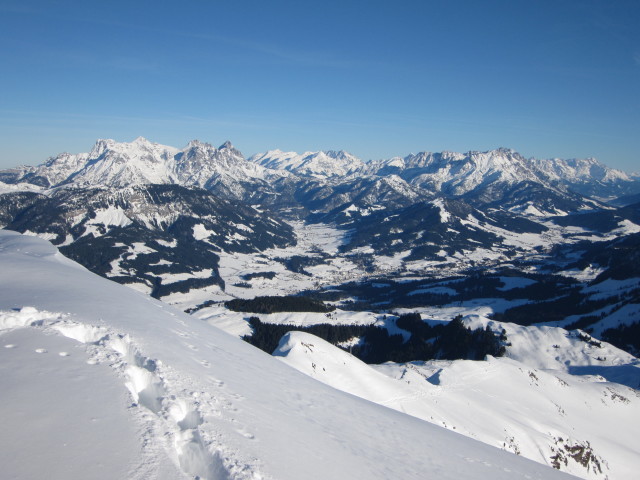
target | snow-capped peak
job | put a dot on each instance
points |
(100, 147)
(321, 164)
(580, 170)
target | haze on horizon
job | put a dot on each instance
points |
(548, 79)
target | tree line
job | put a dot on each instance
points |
(450, 341)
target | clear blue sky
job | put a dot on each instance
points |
(556, 78)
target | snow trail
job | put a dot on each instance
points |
(143, 377)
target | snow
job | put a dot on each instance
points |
(529, 209)
(173, 243)
(434, 291)
(586, 275)
(313, 241)
(111, 216)
(200, 232)
(168, 278)
(515, 282)
(44, 236)
(502, 402)
(234, 323)
(139, 247)
(444, 214)
(191, 400)
(74, 421)
(625, 227)
(611, 287)
(237, 323)
(19, 187)
(132, 252)
(625, 315)
(322, 165)
(394, 262)
(195, 296)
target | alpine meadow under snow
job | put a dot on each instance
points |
(424, 262)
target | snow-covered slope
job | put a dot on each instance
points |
(289, 178)
(577, 170)
(458, 173)
(586, 176)
(472, 172)
(327, 164)
(582, 425)
(19, 187)
(183, 399)
(222, 170)
(122, 164)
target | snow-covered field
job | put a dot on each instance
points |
(583, 425)
(101, 381)
(312, 241)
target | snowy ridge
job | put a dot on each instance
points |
(122, 164)
(203, 402)
(577, 170)
(489, 401)
(325, 165)
(457, 173)
(18, 187)
(265, 177)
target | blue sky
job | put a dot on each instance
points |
(556, 78)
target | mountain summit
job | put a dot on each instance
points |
(491, 175)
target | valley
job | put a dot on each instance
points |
(492, 295)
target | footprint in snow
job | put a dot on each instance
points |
(218, 383)
(248, 435)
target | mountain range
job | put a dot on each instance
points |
(104, 382)
(162, 218)
(225, 170)
(542, 256)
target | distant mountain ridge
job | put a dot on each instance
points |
(224, 170)
(165, 218)
(115, 164)
(490, 235)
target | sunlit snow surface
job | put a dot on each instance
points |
(538, 413)
(184, 398)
